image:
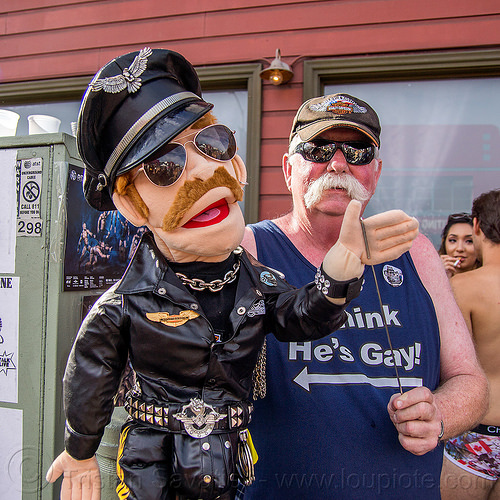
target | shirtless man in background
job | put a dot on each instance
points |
(471, 468)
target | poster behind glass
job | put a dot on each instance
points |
(98, 244)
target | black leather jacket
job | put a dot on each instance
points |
(175, 364)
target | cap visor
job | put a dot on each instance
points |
(313, 130)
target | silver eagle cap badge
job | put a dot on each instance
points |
(129, 79)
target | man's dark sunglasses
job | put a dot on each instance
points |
(215, 141)
(355, 152)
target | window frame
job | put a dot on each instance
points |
(223, 77)
(436, 65)
(407, 66)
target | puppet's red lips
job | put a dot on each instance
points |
(211, 215)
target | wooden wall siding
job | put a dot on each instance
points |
(46, 39)
(42, 42)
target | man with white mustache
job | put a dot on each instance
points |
(355, 189)
(333, 423)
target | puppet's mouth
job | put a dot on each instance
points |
(211, 215)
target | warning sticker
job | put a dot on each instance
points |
(29, 194)
(30, 185)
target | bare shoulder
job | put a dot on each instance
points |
(477, 288)
(248, 242)
(422, 248)
(431, 272)
(428, 263)
(462, 282)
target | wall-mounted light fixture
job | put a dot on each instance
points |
(278, 72)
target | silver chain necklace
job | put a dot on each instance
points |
(213, 286)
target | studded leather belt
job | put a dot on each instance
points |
(196, 418)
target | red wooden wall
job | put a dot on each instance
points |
(44, 39)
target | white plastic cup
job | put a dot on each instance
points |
(8, 122)
(43, 124)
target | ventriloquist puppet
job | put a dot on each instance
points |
(192, 309)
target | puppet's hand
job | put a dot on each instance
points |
(390, 234)
(343, 260)
(81, 477)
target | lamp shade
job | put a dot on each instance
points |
(278, 72)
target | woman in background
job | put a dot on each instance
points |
(457, 248)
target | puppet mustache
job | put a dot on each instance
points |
(355, 190)
(193, 190)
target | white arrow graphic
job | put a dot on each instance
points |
(305, 379)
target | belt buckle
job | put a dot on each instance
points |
(199, 418)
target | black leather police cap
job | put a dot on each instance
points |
(133, 105)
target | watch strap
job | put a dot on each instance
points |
(338, 289)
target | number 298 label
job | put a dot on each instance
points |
(29, 227)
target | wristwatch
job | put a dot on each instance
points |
(338, 289)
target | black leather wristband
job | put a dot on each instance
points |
(338, 289)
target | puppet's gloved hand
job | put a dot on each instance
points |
(81, 480)
(389, 235)
(343, 260)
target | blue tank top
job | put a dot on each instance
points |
(323, 430)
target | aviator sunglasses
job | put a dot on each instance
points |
(215, 141)
(321, 151)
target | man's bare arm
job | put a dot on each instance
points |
(461, 399)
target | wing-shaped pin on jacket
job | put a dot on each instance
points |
(172, 319)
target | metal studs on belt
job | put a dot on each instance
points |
(236, 417)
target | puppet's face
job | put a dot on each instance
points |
(197, 217)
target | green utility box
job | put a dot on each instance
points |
(31, 414)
